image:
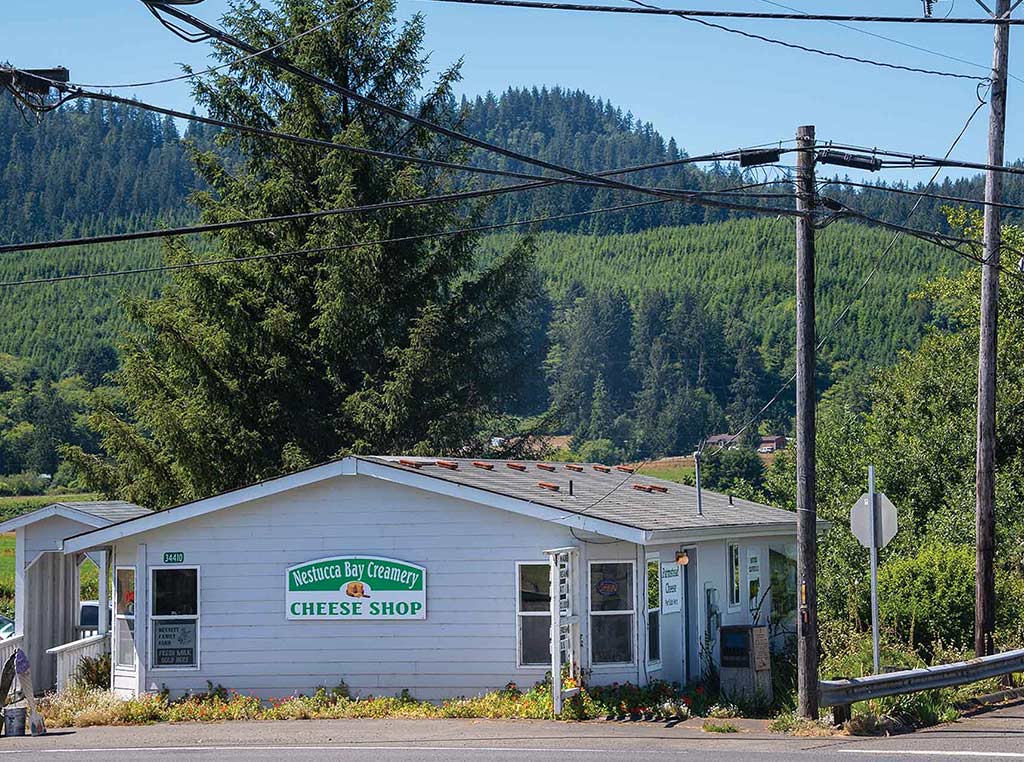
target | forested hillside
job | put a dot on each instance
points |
(668, 276)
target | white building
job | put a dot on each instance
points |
(431, 575)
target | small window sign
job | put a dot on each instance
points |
(177, 557)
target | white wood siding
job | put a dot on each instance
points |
(466, 645)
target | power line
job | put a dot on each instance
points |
(392, 111)
(923, 194)
(229, 64)
(796, 46)
(327, 249)
(733, 155)
(700, 198)
(921, 161)
(894, 40)
(754, 15)
(863, 284)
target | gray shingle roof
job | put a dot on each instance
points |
(111, 510)
(610, 496)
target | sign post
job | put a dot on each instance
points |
(873, 522)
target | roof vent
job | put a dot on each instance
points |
(602, 469)
(730, 500)
(484, 466)
(410, 463)
(451, 465)
(548, 486)
(625, 469)
(574, 467)
(545, 467)
(651, 488)
(516, 466)
(642, 487)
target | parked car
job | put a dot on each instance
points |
(6, 628)
(89, 615)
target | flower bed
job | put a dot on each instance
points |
(79, 706)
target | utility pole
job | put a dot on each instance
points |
(806, 506)
(985, 513)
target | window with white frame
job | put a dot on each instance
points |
(611, 612)
(533, 614)
(124, 616)
(174, 617)
(733, 560)
(653, 609)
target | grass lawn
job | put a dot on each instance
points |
(678, 471)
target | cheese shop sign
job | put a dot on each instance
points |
(356, 588)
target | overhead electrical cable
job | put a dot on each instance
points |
(235, 62)
(797, 46)
(924, 194)
(326, 249)
(895, 41)
(863, 284)
(397, 113)
(922, 161)
(754, 15)
(732, 155)
(698, 197)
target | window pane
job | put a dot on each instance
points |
(612, 637)
(535, 639)
(734, 575)
(653, 584)
(125, 582)
(534, 587)
(611, 587)
(125, 642)
(653, 636)
(175, 592)
(174, 642)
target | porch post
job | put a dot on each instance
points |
(19, 582)
(103, 623)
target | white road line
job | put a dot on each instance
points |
(935, 753)
(346, 747)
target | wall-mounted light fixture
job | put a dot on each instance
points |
(682, 557)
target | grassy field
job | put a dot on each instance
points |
(19, 504)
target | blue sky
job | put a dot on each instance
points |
(709, 89)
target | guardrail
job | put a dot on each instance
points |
(841, 694)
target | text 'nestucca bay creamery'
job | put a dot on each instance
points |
(356, 587)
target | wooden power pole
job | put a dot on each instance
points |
(985, 514)
(806, 506)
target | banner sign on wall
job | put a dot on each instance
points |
(356, 588)
(671, 588)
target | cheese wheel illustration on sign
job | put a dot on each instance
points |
(357, 590)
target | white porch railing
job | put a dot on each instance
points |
(70, 655)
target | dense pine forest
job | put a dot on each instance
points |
(711, 288)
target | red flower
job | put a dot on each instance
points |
(687, 700)
(700, 690)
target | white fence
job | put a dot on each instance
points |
(70, 655)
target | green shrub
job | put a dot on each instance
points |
(94, 672)
(927, 597)
(719, 726)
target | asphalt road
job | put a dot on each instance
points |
(994, 735)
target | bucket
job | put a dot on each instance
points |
(14, 721)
